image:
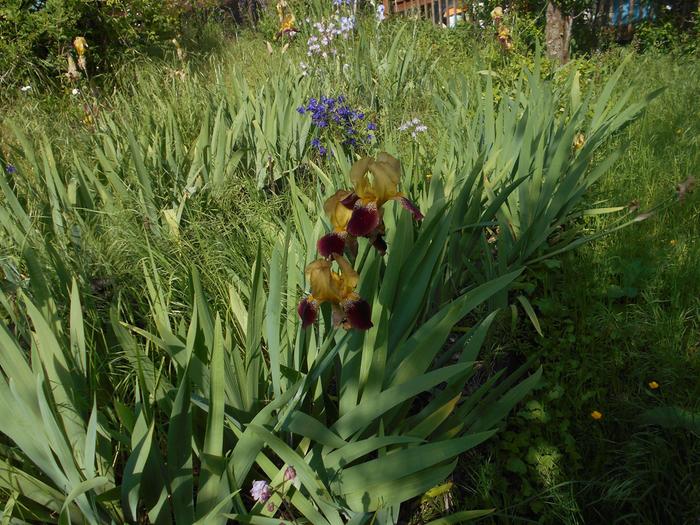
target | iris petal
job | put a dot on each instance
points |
(410, 206)
(350, 200)
(325, 284)
(358, 314)
(308, 312)
(337, 209)
(364, 220)
(331, 243)
(379, 244)
(349, 277)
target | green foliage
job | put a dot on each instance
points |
(36, 37)
(297, 410)
(152, 260)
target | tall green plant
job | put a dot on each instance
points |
(253, 389)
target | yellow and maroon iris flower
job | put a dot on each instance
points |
(358, 213)
(349, 309)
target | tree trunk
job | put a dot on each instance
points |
(558, 33)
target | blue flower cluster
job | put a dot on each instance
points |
(336, 119)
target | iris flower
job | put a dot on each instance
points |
(497, 14)
(349, 309)
(358, 213)
(287, 26)
(504, 38)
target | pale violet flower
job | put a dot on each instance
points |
(381, 15)
(290, 474)
(260, 491)
(415, 126)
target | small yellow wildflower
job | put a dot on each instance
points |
(80, 45)
(653, 385)
(673, 242)
(596, 415)
(497, 13)
(579, 141)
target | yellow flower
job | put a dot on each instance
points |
(80, 45)
(287, 20)
(673, 242)
(596, 415)
(287, 24)
(338, 213)
(653, 385)
(349, 309)
(503, 37)
(358, 213)
(327, 285)
(579, 141)
(377, 180)
(497, 13)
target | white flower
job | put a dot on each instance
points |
(75, 91)
(380, 13)
(415, 126)
(26, 88)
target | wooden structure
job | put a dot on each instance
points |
(439, 11)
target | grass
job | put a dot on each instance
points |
(616, 314)
(619, 313)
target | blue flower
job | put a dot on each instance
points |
(371, 126)
(10, 169)
(301, 110)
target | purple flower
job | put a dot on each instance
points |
(290, 474)
(301, 110)
(260, 491)
(10, 169)
(338, 118)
